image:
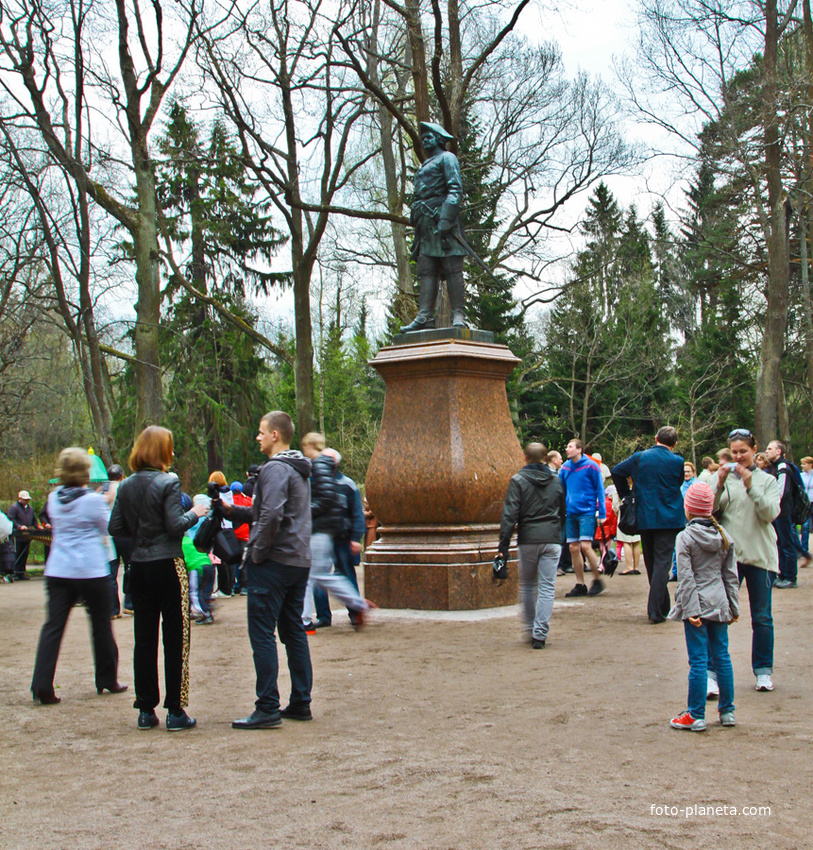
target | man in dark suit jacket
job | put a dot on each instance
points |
(22, 515)
(657, 474)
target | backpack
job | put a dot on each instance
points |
(800, 507)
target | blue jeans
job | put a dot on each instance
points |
(343, 564)
(537, 581)
(322, 555)
(760, 584)
(276, 593)
(708, 643)
(795, 542)
(806, 537)
(784, 542)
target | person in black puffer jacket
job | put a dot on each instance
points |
(535, 505)
(328, 507)
(148, 509)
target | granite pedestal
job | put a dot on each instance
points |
(439, 473)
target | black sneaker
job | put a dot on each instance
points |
(578, 590)
(596, 587)
(323, 624)
(177, 722)
(147, 719)
(538, 644)
(296, 713)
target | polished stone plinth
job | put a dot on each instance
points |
(438, 475)
(434, 334)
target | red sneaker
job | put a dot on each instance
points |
(686, 721)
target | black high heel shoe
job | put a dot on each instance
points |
(47, 699)
(114, 689)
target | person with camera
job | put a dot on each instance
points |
(749, 500)
(535, 506)
(148, 509)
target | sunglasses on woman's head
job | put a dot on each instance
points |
(739, 434)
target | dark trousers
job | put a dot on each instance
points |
(7, 557)
(657, 546)
(124, 549)
(63, 594)
(784, 543)
(276, 594)
(225, 578)
(157, 596)
(21, 548)
(342, 563)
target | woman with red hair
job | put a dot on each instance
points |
(148, 509)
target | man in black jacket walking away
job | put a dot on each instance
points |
(535, 506)
(328, 507)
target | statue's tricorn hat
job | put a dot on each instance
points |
(436, 129)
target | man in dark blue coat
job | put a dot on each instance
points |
(657, 474)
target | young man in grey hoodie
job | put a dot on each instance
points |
(535, 505)
(277, 565)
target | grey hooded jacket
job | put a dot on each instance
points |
(535, 505)
(280, 515)
(708, 585)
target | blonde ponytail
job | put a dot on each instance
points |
(720, 532)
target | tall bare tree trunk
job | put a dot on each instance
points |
(404, 305)
(773, 340)
(806, 211)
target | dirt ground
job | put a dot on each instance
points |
(428, 733)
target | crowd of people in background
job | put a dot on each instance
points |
(738, 521)
(293, 530)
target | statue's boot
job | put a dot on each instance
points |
(457, 296)
(425, 320)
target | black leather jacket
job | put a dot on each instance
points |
(148, 509)
(328, 502)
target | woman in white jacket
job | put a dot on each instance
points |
(77, 568)
(749, 500)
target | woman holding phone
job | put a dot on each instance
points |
(749, 500)
(148, 509)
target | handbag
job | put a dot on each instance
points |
(205, 535)
(227, 547)
(499, 571)
(610, 559)
(628, 511)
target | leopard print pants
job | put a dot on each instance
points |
(183, 580)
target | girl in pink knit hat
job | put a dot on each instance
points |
(706, 600)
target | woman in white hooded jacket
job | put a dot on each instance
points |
(77, 568)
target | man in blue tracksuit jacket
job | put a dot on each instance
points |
(584, 495)
(657, 474)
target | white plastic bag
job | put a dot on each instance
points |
(6, 527)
